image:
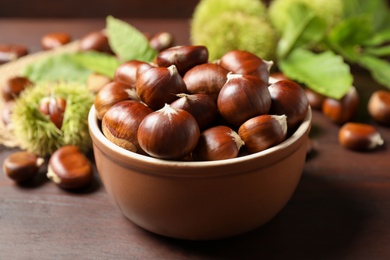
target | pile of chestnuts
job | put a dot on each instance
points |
(183, 107)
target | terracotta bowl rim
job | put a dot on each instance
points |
(95, 130)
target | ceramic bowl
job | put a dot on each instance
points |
(200, 200)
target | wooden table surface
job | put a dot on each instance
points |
(340, 210)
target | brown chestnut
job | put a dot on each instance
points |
(247, 63)
(54, 107)
(11, 52)
(159, 85)
(243, 97)
(206, 78)
(183, 57)
(342, 110)
(95, 41)
(22, 165)
(359, 136)
(161, 41)
(121, 121)
(201, 106)
(111, 94)
(69, 168)
(262, 132)
(379, 106)
(168, 133)
(14, 86)
(289, 98)
(54, 40)
(127, 72)
(217, 143)
(276, 76)
(315, 99)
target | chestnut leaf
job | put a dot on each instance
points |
(376, 10)
(304, 29)
(127, 42)
(71, 67)
(56, 68)
(101, 63)
(350, 33)
(379, 68)
(325, 73)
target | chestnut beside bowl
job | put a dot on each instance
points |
(200, 200)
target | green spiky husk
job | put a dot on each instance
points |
(329, 10)
(207, 10)
(237, 31)
(36, 133)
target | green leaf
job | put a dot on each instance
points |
(56, 68)
(347, 37)
(101, 63)
(127, 42)
(325, 73)
(380, 51)
(303, 29)
(377, 10)
(379, 68)
(379, 38)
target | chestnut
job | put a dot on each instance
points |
(159, 85)
(126, 73)
(168, 133)
(161, 41)
(69, 168)
(120, 123)
(11, 52)
(112, 93)
(247, 63)
(341, 110)
(289, 98)
(54, 107)
(243, 97)
(276, 76)
(14, 86)
(201, 106)
(262, 132)
(183, 57)
(217, 143)
(315, 99)
(22, 166)
(54, 40)
(206, 78)
(359, 137)
(379, 106)
(95, 41)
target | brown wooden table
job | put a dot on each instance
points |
(340, 210)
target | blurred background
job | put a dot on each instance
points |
(97, 8)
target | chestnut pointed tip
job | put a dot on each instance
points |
(172, 70)
(237, 139)
(269, 64)
(282, 120)
(232, 75)
(375, 141)
(52, 175)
